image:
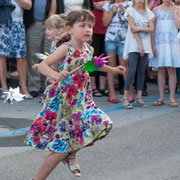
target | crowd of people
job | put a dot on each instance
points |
(24, 33)
(134, 35)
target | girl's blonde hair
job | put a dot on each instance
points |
(144, 5)
(79, 16)
(55, 22)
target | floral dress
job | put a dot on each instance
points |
(69, 119)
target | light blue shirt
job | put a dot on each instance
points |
(39, 10)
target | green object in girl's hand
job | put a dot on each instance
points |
(95, 63)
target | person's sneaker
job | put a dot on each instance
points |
(34, 93)
(144, 93)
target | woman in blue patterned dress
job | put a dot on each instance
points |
(12, 45)
(166, 48)
(69, 119)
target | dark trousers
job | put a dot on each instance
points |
(139, 64)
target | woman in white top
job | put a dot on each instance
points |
(137, 48)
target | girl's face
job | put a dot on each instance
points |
(167, 2)
(82, 31)
(139, 2)
(51, 33)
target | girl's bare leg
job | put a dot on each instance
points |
(110, 76)
(172, 83)
(161, 82)
(49, 164)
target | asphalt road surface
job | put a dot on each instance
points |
(143, 145)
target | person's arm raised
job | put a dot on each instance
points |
(107, 16)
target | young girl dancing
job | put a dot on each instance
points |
(166, 48)
(69, 119)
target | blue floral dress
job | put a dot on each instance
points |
(69, 119)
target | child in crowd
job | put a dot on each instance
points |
(113, 17)
(166, 48)
(69, 119)
(55, 27)
(137, 48)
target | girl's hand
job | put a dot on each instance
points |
(141, 50)
(61, 76)
(135, 29)
(121, 7)
(119, 70)
(115, 8)
(35, 67)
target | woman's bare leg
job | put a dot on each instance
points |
(22, 72)
(3, 72)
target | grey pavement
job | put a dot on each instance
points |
(143, 145)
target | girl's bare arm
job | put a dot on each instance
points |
(100, 4)
(176, 15)
(57, 56)
(135, 34)
(25, 4)
(107, 16)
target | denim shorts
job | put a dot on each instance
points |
(114, 47)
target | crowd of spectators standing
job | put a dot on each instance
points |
(140, 35)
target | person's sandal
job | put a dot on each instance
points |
(126, 105)
(173, 104)
(96, 93)
(74, 169)
(141, 104)
(104, 92)
(113, 100)
(158, 103)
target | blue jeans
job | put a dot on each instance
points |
(114, 47)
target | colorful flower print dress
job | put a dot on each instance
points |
(69, 119)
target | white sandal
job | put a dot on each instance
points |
(72, 168)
